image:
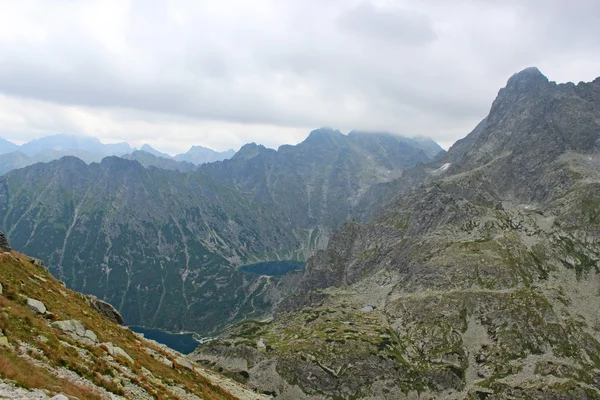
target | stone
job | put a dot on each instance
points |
(185, 363)
(4, 246)
(154, 354)
(36, 306)
(109, 347)
(119, 352)
(60, 397)
(71, 326)
(91, 335)
(116, 351)
(42, 338)
(0, 288)
(38, 263)
(367, 309)
(105, 309)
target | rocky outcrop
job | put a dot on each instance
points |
(4, 246)
(481, 283)
(76, 330)
(260, 205)
(105, 309)
(116, 352)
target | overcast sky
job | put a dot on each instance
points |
(223, 73)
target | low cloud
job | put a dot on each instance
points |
(179, 72)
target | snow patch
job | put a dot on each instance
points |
(443, 167)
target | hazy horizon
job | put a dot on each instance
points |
(138, 147)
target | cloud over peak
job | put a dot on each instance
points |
(220, 74)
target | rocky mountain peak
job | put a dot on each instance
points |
(323, 135)
(249, 151)
(528, 78)
(4, 246)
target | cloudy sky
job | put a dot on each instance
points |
(222, 73)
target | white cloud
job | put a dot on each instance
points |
(179, 72)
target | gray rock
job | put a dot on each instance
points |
(116, 351)
(154, 354)
(60, 397)
(9, 391)
(71, 326)
(185, 363)
(105, 309)
(4, 246)
(38, 263)
(119, 352)
(367, 309)
(42, 338)
(3, 339)
(91, 335)
(0, 288)
(36, 306)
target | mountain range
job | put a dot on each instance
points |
(467, 274)
(90, 149)
(479, 282)
(165, 246)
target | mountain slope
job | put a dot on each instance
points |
(52, 340)
(165, 246)
(319, 182)
(200, 155)
(152, 160)
(481, 283)
(159, 244)
(149, 149)
(7, 147)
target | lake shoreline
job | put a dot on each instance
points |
(183, 342)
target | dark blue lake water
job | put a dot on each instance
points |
(182, 342)
(273, 268)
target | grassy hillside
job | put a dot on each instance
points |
(34, 354)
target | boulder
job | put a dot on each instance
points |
(4, 246)
(154, 354)
(36, 306)
(185, 363)
(60, 397)
(76, 330)
(70, 326)
(105, 309)
(116, 351)
(0, 288)
(38, 263)
(91, 335)
(3, 339)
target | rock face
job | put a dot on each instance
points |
(4, 246)
(484, 281)
(153, 241)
